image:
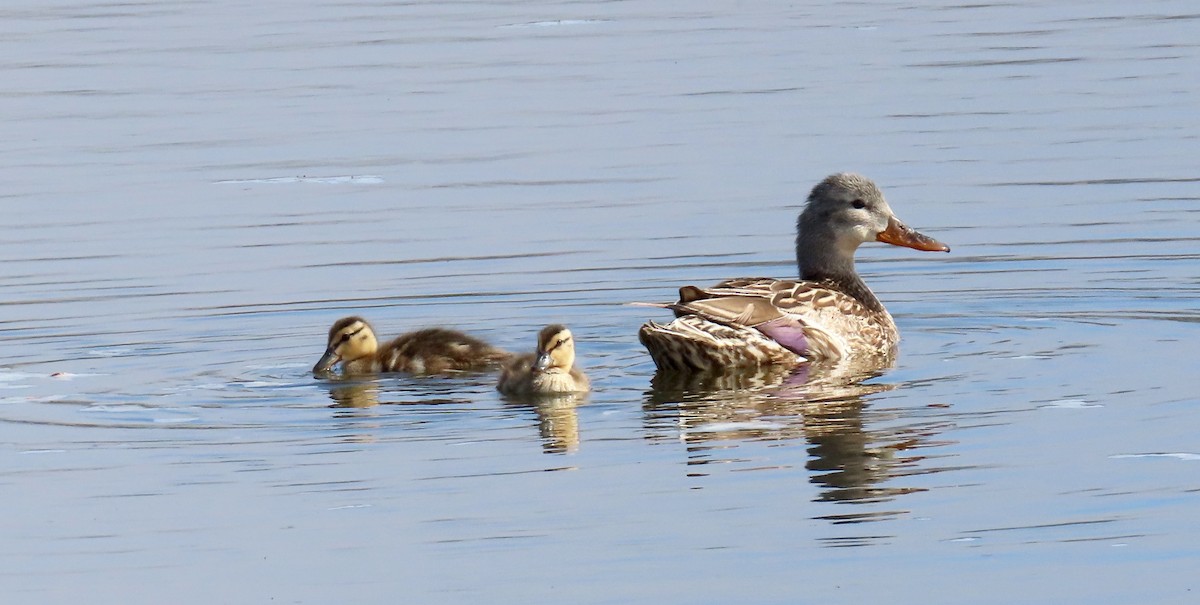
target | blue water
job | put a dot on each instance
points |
(194, 192)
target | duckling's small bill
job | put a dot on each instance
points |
(326, 362)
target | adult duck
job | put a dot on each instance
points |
(828, 314)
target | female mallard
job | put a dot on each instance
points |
(551, 369)
(430, 351)
(828, 314)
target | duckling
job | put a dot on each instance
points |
(551, 369)
(430, 351)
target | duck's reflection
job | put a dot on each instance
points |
(354, 394)
(366, 405)
(558, 420)
(369, 393)
(822, 404)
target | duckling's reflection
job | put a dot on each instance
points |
(354, 394)
(558, 419)
(822, 404)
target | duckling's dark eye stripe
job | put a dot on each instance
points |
(346, 337)
(556, 344)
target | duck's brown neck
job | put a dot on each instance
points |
(851, 285)
(820, 261)
(838, 273)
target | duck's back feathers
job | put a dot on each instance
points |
(438, 350)
(759, 321)
(692, 342)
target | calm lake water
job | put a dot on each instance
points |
(193, 192)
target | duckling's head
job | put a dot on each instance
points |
(350, 338)
(846, 210)
(555, 350)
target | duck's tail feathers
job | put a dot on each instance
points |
(692, 343)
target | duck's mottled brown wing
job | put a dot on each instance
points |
(743, 286)
(737, 310)
(837, 323)
(757, 321)
(693, 343)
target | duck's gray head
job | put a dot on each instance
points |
(844, 211)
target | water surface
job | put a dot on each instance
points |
(194, 192)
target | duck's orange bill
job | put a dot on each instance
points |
(899, 234)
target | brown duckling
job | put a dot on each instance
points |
(352, 343)
(551, 369)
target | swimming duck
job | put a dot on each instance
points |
(352, 343)
(828, 314)
(551, 369)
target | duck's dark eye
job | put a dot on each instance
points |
(346, 337)
(858, 204)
